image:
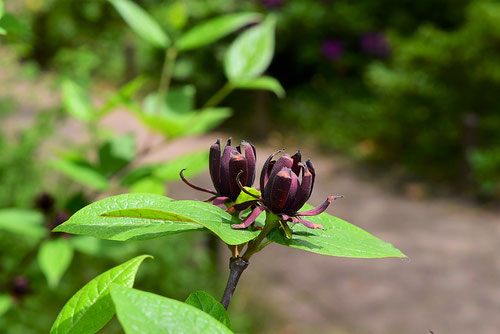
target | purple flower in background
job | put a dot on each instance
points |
(332, 49)
(272, 4)
(375, 44)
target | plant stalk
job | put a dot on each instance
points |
(236, 267)
(166, 76)
(219, 96)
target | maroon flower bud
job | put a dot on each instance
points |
(20, 286)
(229, 171)
(286, 185)
(44, 202)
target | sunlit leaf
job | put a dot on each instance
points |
(54, 258)
(146, 313)
(339, 238)
(194, 162)
(141, 22)
(244, 197)
(207, 119)
(5, 303)
(214, 29)
(76, 101)
(251, 53)
(91, 307)
(148, 216)
(264, 83)
(207, 303)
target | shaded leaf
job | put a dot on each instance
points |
(147, 216)
(146, 313)
(84, 175)
(138, 174)
(116, 153)
(251, 53)
(339, 238)
(208, 304)
(54, 258)
(263, 82)
(91, 307)
(214, 29)
(141, 22)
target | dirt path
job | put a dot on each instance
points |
(449, 284)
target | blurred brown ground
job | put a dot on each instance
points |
(450, 282)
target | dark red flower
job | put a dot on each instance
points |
(226, 167)
(286, 184)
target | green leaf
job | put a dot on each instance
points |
(5, 303)
(146, 313)
(54, 258)
(214, 29)
(148, 216)
(76, 101)
(141, 22)
(251, 53)
(123, 95)
(207, 119)
(138, 174)
(116, 153)
(150, 185)
(84, 175)
(194, 162)
(244, 197)
(114, 250)
(178, 101)
(339, 238)
(208, 304)
(28, 223)
(9, 23)
(91, 307)
(2, 10)
(264, 82)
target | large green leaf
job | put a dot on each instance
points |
(251, 53)
(339, 238)
(54, 258)
(148, 216)
(146, 313)
(76, 101)
(208, 304)
(141, 22)
(214, 29)
(91, 307)
(263, 82)
(28, 223)
(82, 174)
(194, 162)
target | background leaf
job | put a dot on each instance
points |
(82, 174)
(263, 82)
(147, 313)
(206, 119)
(214, 29)
(150, 185)
(5, 303)
(147, 216)
(339, 238)
(54, 258)
(116, 153)
(140, 21)
(208, 304)
(195, 163)
(251, 53)
(91, 307)
(28, 223)
(76, 101)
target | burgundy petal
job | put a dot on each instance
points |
(224, 169)
(309, 224)
(251, 160)
(237, 164)
(310, 166)
(250, 219)
(214, 165)
(297, 158)
(264, 175)
(305, 189)
(283, 162)
(294, 186)
(319, 209)
(194, 186)
(279, 189)
(220, 201)
(241, 206)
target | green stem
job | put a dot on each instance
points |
(219, 96)
(255, 245)
(166, 76)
